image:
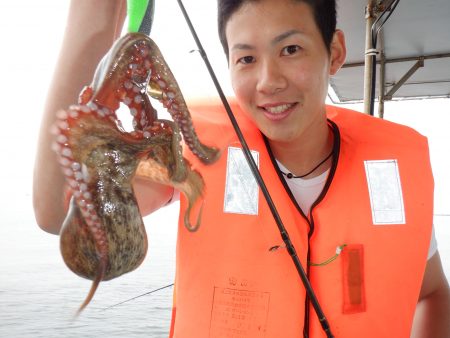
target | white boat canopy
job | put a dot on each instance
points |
(412, 50)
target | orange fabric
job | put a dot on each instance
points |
(230, 284)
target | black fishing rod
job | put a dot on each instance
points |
(283, 232)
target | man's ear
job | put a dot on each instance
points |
(338, 51)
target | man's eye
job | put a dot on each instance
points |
(289, 50)
(246, 60)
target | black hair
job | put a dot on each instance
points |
(324, 12)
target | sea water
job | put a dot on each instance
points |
(39, 295)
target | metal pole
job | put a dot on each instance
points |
(405, 77)
(402, 59)
(369, 57)
(381, 87)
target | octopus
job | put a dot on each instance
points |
(103, 235)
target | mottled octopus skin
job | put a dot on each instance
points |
(103, 235)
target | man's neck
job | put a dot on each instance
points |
(303, 154)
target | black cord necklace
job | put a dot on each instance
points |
(291, 175)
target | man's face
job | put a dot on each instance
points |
(280, 67)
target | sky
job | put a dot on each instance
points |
(31, 33)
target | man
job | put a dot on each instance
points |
(234, 276)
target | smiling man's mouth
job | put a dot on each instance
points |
(278, 109)
(276, 112)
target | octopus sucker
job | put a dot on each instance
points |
(103, 235)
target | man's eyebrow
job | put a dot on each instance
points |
(241, 46)
(285, 35)
(275, 40)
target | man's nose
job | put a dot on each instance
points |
(271, 78)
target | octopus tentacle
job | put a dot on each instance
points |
(140, 67)
(77, 176)
(85, 139)
(103, 235)
(172, 99)
(191, 187)
(103, 212)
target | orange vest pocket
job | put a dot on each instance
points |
(353, 279)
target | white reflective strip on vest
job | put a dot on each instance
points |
(385, 190)
(241, 188)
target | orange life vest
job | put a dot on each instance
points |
(234, 278)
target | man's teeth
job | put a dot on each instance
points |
(278, 109)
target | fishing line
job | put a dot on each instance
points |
(139, 296)
(283, 232)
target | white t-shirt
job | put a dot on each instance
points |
(306, 191)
